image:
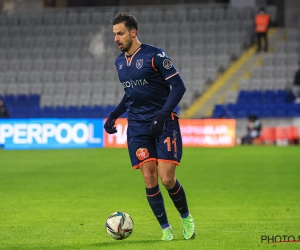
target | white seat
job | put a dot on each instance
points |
(46, 100)
(49, 89)
(23, 77)
(73, 89)
(59, 77)
(36, 88)
(59, 100)
(61, 88)
(231, 97)
(72, 76)
(71, 100)
(24, 89)
(10, 77)
(84, 76)
(12, 89)
(84, 100)
(97, 99)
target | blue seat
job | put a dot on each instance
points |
(60, 112)
(21, 112)
(268, 97)
(243, 97)
(280, 97)
(267, 111)
(254, 97)
(280, 110)
(13, 113)
(34, 100)
(85, 112)
(254, 109)
(98, 112)
(34, 112)
(108, 109)
(231, 110)
(219, 111)
(9, 101)
(292, 110)
(72, 112)
(21, 101)
(242, 111)
(47, 112)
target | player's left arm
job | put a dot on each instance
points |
(165, 66)
(175, 95)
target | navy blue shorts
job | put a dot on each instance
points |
(143, 147)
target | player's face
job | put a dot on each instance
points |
(123, 37)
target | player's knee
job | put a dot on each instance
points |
(150, 180)
(168, 181)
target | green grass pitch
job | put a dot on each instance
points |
(60, 199)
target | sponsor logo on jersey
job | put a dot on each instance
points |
(163, 54)
(120, 66)
(139, 63)
(142, 153)
(134, 83)
(167, 64)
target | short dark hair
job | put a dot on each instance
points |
(129, 21)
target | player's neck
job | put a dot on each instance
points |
(135, 45)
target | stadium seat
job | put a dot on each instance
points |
(85, 112)
(98, 112)
(34, 112)
(72, 112)
(60, 112)
(293, 135)
(219, 111)
(47, 112)
(281, 137)
(268, 135)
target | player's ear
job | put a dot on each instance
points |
(133, 33)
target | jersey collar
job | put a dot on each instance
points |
(130, 57)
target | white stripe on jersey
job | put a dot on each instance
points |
(171, 76)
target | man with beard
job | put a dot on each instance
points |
(153, 88)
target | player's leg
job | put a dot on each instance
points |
(155, 198)
(143, 155)
(169, 151)
(177, 195)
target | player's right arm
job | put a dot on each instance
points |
(109, 124)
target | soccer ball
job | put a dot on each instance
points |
(119, 225)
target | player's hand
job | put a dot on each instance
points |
(109, 125)
(158, 124)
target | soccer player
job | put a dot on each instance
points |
(153, 88)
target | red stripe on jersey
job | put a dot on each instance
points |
(153, 65)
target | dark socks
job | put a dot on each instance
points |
(156, 203)
(177, 195)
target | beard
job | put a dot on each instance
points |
(126, 47)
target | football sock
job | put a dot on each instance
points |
(156, 203)
(177, 195)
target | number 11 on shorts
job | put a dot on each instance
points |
(168, 142)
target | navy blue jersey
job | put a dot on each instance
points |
(144, 77)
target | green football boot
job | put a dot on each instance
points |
(189, 229)
(168, 234)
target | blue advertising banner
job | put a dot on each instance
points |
(51, 133)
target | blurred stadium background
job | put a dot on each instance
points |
(57, 57)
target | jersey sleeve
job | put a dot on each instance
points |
(162, 63)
